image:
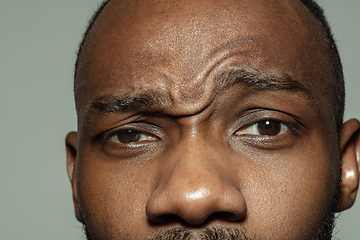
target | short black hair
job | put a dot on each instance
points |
(338, 85)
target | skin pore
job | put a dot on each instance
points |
(208, 120)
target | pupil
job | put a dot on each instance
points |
(268, 125)
(269, 128)
(128, 136)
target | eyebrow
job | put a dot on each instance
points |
(148, 101)
(261, 81)
(152, 101)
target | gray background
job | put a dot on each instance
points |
(37, 52)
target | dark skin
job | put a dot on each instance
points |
(174, 131)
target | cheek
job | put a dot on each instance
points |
(112, 195)
(291, 198)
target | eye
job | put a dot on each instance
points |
(131, 136)
(264, 128)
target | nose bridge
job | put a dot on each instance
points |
(194, 185)
(196, 165)
(194, 171)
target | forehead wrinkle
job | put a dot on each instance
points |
(203, 86)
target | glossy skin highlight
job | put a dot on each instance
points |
(169, 71)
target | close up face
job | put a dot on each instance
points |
(198, 115)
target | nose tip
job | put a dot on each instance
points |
(195, 203)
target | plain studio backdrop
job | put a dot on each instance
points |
(39, 39)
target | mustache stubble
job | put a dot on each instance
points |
(209, 233)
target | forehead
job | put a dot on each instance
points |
(174, 48)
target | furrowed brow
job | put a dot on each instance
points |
(155, 102)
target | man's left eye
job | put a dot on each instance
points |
(264, 128)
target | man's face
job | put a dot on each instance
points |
(205, 115)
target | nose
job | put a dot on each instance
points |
(194, 186)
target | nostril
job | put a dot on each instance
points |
(195, 220)
(217, 216)
(160, 219)
(168, 219)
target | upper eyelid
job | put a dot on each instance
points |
(256, 111)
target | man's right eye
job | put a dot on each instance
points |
(131, 136)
